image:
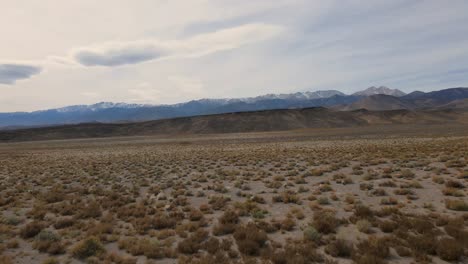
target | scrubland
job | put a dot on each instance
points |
(243, 200)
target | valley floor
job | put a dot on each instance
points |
(383, 194)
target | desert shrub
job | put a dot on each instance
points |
(316, 172)
(91, 210)
(387, 226)
(454, 228)
(117, 259)
(403, 251)
(163, 221)
(339, 248)
(54, 194)
(368, 259)
(449, 249)
(387, 210)
(325, 222)
(364, 226)
(5, 259)
(366, 186)
(192, 244)
(438, 179)
(31, 229)
(403, 191)
(212, 245)
(407, 174)
(218, 202)
(64, 223)
(389, 201)
(287, 197)
(47, 241)
(288, 224)
(311, 234)
(247, 208)
(454, 184)
(148, 247)
(379, 192)
(87, 248)
(267, 227)
(227, 223)
(219, 257)
(12, 220)
(250, 239)
(297, 252)
(12, 244)
(50, 261)
(195, 215)
(422, 244)
(38, 212)
(456, 205)
(363, 212)
(205, 208)
(378, 248)
(388, 184)
(323, 200)
(452, 192)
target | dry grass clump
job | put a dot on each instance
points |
(456, 205)
(227, 223)
(372, 250)
(87, 248)
(325, 222)
(287, 197)
(387, 226)
(339, 248)
(192, 244)
(297, 252)
(454, 184)
(31, 229)
(50, 242)
(250, 239)
(311, 234)
(150, 248)
(449, 249)
(364, 226)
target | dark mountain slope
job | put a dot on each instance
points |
(415, 100)
(436, 98)
(258, 121)
(378, 103)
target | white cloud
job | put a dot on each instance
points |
(133, 52)
(92, 95)
(144, 93)
(187, 85)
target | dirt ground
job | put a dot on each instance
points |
(287, 197)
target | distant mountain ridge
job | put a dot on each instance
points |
(106, 112)
(448, 98)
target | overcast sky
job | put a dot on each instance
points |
(55, 53)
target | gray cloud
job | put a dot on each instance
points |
(118, 54)
(12, 72)
(133, 52)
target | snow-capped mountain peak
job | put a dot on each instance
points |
(97, 106)
(380, 90)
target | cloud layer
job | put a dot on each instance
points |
(133, 52)
(12, 72)
(159, 51)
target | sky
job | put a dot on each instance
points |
(56, 53)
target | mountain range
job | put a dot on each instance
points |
(373, 98)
